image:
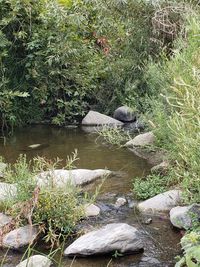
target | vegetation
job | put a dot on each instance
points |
(176, 110)
(55, 210)
(60, 58)
(113, 135)
(149, 187)
(66, 56)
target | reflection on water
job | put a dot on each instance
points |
(61, 142)
(161, 241)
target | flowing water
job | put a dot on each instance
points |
(160, 239)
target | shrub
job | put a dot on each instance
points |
(71, 55)
(149, 187)
(176, 109)
(55, 210)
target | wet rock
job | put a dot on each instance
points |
(147, 221)
(2, 168)
(4, 219)
(91, 210)
(34, 146)
(36, 261)
(76, 177)
(20, 237)
(161, 168)
(142, 140)
(185, 217)
(134, 127)
(119, 237)
(120, 202)
(124, 114)
(7, 191)
(154, 157)
(132, 204)
(94, 118)
(161, 203)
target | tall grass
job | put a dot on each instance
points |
(176, 111)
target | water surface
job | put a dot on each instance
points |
(160, 239)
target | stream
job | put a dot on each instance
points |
(160, 239)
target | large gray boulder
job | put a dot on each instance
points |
(94, 118)
(185, 217)
(7, 191)
(35, 261)
(113, 237)
(20, 237)
(142, 140)
(2, 168)
(124, 114)
(77, 177)
(4, 219)
(161, 203)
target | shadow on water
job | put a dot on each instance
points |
(160, 239)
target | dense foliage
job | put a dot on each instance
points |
(55, 210)
(68, 56)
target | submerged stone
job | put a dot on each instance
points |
(120, 202)
(35, 146)
(119, 237)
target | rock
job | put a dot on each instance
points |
(91, 210)
(124, 114)
(2, 168)
(75, 177)
(161, 168)
(185, 217)
(7, 191)
(4, 219)
(35, 261)
(120, 202)
(147, 221)
(20, 237)
(94, 118)
(134, 127)
(113, 237)
(161, 203)
(153, 157)
(34, 146)
(142, 140)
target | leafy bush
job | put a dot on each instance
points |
(71, 55)
(191, 245)
(55, 210)
(59, 210)
(114, 135)
(149, 187)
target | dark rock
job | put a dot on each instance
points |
(124, 114)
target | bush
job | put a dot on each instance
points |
(176, 109)
(149, 187)
(73, 55)
(55, 210)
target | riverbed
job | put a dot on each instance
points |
(160, 239)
